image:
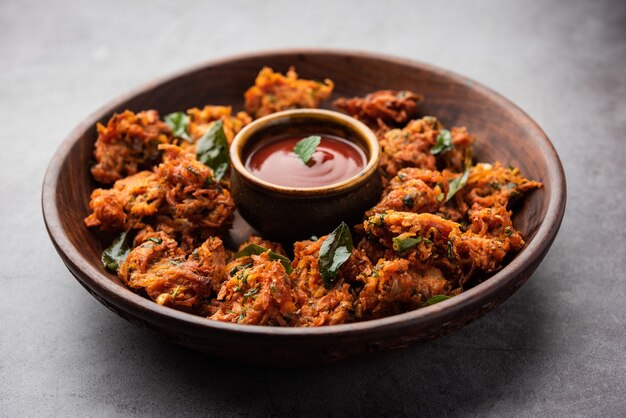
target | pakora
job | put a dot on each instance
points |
(442, 222)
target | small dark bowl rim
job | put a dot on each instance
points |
(248, 132)
(95, 279)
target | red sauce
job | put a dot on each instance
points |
(334, 160)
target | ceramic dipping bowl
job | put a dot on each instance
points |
(287, 214)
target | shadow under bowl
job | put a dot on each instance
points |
(505, 133)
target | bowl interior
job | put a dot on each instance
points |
(504, 133)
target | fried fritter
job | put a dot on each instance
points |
(410, 146)
(488, 185)
(169, 277)
(259, 294)
(273, 92)
(125, 205)
(396, 286)
(202, 119)
(490, 237)
(237, 263)
(192, 192)
(382, 107)
(129, 143)
(461, 153)
(433, 230)
(413, 190)
(316, 304)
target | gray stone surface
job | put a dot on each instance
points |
(556, 348)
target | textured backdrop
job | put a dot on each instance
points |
(556, 348)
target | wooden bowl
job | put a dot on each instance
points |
(505, 133)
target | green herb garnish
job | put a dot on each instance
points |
(450, 250)
(443, 144)
(256, 249)
(305, 147)
(436, 299)
(408, 201)
(179, 123)
(400, 245)
(212, 150)
(156, 240)
(335, 251)
(457, 184)
(249, 294)
(114, 256)
(240, 267)
(175, 292)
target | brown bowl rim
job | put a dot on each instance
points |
(242, 138)
(479, 296)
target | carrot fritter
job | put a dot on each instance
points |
(169, 277)
(192, 192)
(316, 304)
(413, 190)
(259, 294)
(273, 92)
(200, 120)
(461, 152)
(441, 224)
(489, 238)
(488, 185)
(125, 205)
(129, 143)
(434, 231)
(410, 146)
(237, 263)
(396, 286)
(382, 107)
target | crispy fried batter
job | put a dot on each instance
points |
(489, 185)
(259, 295)
(125, 205)
(127, 144)
(202, 119)
(237, 263)
(410, 146)
(490, 237)
(413, 245)
(435, 232)
(192, 193)
(161, 269)
(316, 304)
(461, 152)
(396, 286)
(413, 190)
(273, 92)
(382, 107)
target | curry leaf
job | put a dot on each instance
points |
(335, 251)
(179, 124)
(457, 184)
(256, 249)
(212, 150)
(443, 144)
(114, 256)
(436, 299)
(305, 147)
(402, 244)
